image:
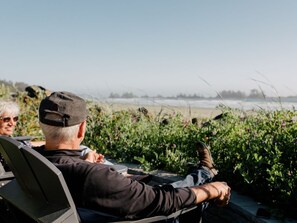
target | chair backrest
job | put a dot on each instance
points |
(39, 189)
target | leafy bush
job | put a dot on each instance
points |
(255, 153)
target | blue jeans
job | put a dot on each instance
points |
(198, 177)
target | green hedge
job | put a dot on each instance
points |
(256, 153)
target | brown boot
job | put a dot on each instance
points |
(205, 158)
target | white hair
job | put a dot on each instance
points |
(59, 134)
(9, 107)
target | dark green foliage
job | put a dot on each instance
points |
(256, 152)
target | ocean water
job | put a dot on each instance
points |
(270, 104)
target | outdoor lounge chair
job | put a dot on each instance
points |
(39, 192)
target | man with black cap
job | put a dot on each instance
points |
(62, 117)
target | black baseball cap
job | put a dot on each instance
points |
(62, 109)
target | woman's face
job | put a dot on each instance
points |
(7, 123)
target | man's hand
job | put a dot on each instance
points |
(93, 157)
(220, 192)
(224, 199)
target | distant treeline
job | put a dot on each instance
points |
(225, 94)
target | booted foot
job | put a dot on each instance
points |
(205, 158)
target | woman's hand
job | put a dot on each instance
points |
(94, 157)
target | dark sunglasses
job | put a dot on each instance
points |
(8, 119)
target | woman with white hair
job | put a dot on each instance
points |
(9, 112)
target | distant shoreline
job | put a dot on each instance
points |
(187, 112)
(205, 109)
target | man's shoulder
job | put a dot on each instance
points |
(57, 152)
(59, 156)
(82, 169)
(85, 167)
(39, 149)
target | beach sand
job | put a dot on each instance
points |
(187, 112)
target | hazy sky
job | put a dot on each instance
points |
(151, 47)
